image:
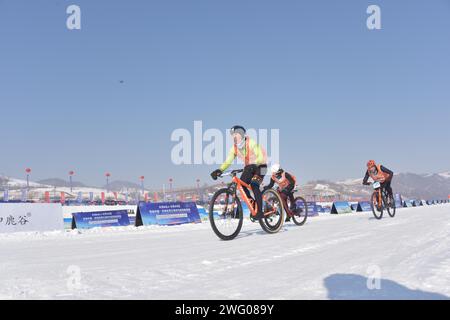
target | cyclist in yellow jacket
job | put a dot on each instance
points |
(255, 163)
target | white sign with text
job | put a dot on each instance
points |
(25, 217)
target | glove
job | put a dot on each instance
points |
(216, 173)
(265, 189)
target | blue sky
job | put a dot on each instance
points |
(339, 93)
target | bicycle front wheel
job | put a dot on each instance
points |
(377, 208)
(274, 214)
(226, 215)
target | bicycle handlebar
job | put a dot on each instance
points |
(231, 173)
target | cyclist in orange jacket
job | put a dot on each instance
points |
(286, 185)
(379, 173)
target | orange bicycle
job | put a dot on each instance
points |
(226, 214)
(382, 200)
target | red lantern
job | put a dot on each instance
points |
(28, 170)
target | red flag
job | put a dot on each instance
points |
(47, 197)
(156, 197)
(146, 197)
(115, 195)
(63, 198)
(103, 198)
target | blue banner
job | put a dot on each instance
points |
(88, 220)
(364, 206)
(167, 213)
(312, 208)
(6, 195)
(245, 210)
(203, 213)
(91, 196)
(341, 207)
(326, 209)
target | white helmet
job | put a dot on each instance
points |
(275, 168)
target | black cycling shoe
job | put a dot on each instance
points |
(256, 218)
(288, 219)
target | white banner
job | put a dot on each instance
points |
(22, 217)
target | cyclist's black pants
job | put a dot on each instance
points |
(254, 175)
(387, 186)
(288, 193)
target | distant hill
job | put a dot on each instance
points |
(123, 185)
(410, 185)
(60, 183)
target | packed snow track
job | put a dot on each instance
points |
(349, 256)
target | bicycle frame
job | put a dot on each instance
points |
(240, 186)
(380, 199)
(253, 208)
(380, 192)
(285, 205)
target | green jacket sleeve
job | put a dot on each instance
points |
(229, 161)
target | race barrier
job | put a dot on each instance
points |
(354, 206)
(407, 204)
(313, 209)
(167, 213)
(246, 210)
(341, 207)
(398, 200)
(364, 206)
(417, 203)
(203, 213)
(100, 219)
(25, 217)
(68, 212)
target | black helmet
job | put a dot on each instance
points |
(238, 129)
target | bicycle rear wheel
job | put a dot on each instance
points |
(226, 214)
(377, 209)
(301, 212)
(274, 214)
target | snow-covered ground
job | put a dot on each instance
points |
(331, 257)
